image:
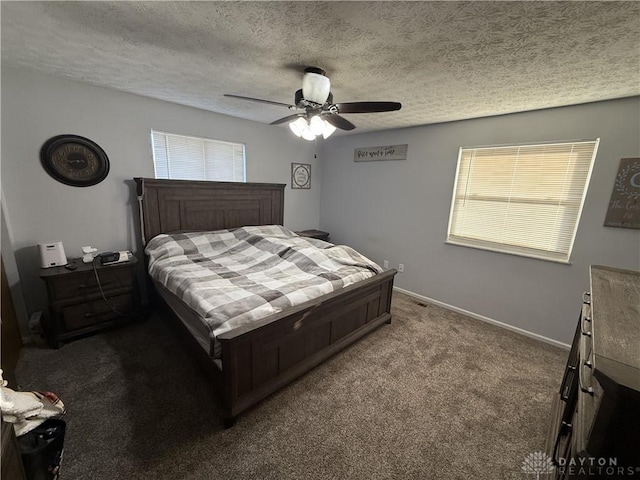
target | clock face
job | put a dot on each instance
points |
(74, 160)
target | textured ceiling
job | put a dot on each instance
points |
(443, 60)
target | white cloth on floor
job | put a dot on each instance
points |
(27, 410)
(19, 404)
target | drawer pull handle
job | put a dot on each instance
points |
(586, 298)
(586, 333)
(584, 389)
(583, 330)
(93, 286)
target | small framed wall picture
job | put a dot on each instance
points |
(300, 175)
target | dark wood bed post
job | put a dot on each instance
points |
(259, 359)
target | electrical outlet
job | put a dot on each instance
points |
(385, 264)
(401, 267)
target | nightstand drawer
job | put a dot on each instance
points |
(82, 284)
(92, 313)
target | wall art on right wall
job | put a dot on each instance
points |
(624, 206)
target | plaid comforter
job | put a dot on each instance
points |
(234, 277)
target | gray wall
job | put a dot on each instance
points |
(40, 209)
(396, 211)
(399, 211)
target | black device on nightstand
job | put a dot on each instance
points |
(79, 304)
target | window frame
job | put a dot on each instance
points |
(199, 138)
(533, 253)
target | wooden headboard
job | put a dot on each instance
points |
(184, 205)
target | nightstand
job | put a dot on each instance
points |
(76, 306)
(319, 234)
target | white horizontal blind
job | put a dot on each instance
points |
(182, 157)
(523, 199)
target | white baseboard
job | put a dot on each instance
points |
(485, 319)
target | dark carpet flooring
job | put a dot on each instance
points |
(434, 395)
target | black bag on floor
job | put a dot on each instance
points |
(42, 449)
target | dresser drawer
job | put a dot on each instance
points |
(92, 313)
(588, 404)
(84, 283)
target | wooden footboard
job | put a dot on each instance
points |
(259, 359)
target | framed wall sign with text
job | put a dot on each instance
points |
(300, 175)
(374, 154)
(624, 206)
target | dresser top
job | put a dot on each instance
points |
(615, 312)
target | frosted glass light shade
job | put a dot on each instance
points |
(310, 129)
(307, 134)
(315, 87)
(328, 130)
(298, 126)
(317, 125)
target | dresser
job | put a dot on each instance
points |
(595, 421)
(77, 307)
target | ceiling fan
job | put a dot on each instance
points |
(317, 114)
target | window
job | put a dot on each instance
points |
(525, 200)
(192, 158)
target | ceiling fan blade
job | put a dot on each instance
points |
(258, 100)
(339, 122)
(368, 107)
(286, 119)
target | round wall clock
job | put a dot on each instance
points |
(74, 160)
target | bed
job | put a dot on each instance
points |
(254, 359)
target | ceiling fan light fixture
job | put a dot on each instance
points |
(328, 130)
(317, 125)
(312, 128)
(317, 114)
(307, 134)
(315, 86)
(298, 126)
